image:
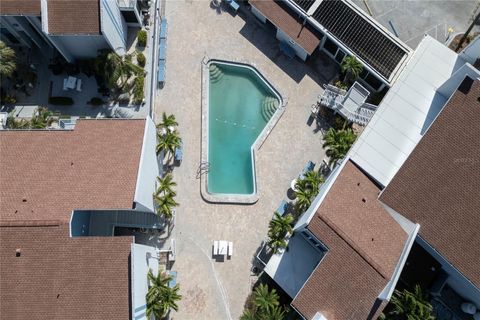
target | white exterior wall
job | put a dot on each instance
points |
(451, 85)
(258, 14)
(472, 52)
(299, 51)
(456, 280)
(148, 169)
(113, 25)
(142, 258)
(79, 46)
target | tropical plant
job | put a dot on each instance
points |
(410, 305)
(278, 228)
(307, 189)
(115, 68)
(42, 119)
(7, 60)
(13, 123)
(142, 38)
(265, 299)
(352, 67)
(138, 89)
(167, 121)
(168, 142)
(248, 315)
(165, 204)
(275, 313)
(338, 142)
(141, 60)
(166, 184)
(160, 297)
(303, 200)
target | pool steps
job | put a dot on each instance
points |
(269, 107)
(216, 73)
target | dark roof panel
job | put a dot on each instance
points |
(360, 35)
(304, 4)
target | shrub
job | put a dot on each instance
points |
(138, 89)
(61, 101)
(96, 101)
(141, 59)
(142, 38)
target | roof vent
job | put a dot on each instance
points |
(364, 200)
(18, 253)
(71, 163)
(358, 184)
(372, 239)
(24, 200)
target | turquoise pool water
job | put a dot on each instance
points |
(240, 105)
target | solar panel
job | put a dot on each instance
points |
(304, 4)
(360, 36)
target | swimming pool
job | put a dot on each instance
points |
(240, 105)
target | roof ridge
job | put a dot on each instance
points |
(343, 235)
(30, 223)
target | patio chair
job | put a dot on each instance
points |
(79, 85)
(161, 72)
(282, 208)
(234, 5)
(163, 29)
(215, 247)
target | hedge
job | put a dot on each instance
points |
(142, 38)
(141, 59)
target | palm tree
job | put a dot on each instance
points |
(352, 67)
(169, 142)
(275, 313)
(410, 305)
(166, 184)
(165, 204)
(160, 297)
(116, 69)
(42, 119)
(278, 229)
(338, 142)
(311, 182)
(264, 299)
(7, 60)
(167, 121)
(304, 198)
(248, 315)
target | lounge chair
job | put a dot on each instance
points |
(161, 72)
(233, 5)
(308, 167)
(172, 283)
(282, 208)
(163, 29)
(230, 249)
(215, 247)
(179, 154)
(79, 85)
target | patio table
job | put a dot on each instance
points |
(71, 82)
(222, 247)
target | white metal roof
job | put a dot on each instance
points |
(406, 112)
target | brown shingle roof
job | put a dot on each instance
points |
(438, 185)
(20, 7)
(285, 19)
(73, 17)
(365, 244)
(57, 277)
(47, 174)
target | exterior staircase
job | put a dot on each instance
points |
(216, 73)
(269, 107)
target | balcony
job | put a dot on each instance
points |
(349, 104)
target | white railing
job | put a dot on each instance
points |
(334, 98)
(127, 3)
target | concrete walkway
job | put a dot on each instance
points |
(217, 289)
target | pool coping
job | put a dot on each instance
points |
(233, 198)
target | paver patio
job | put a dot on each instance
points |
(212, 289)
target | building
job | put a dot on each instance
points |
(402, 207)
(52, 180)
(340, 29)
(74, 29)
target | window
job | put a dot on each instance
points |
(317, 244)
(340, 55)
(330, 47)
(373, 82)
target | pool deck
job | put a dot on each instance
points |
(217, 289)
